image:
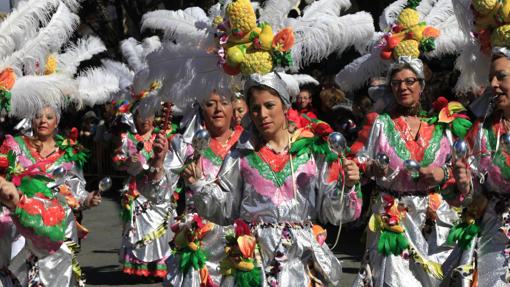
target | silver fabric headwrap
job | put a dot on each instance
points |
(414, 63)
(271, 80)
(504, 51)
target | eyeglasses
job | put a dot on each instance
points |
(408, 81)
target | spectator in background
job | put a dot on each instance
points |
(304, 101)
(240, 109)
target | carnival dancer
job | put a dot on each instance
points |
(410, 222)
(214, 114)
(147, 210)
(272, 186)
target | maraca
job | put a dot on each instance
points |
(413, 168)
(460, 149)
(104, 184)
(505, 142)
(200, 142)
(337, 143)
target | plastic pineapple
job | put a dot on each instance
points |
(501, 36)
(408, 18)
(485, 7)
(503, 13)
(51, 65)
(407, 48)
(242, 17)
(260, 62)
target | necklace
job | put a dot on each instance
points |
(410, 131)
(285, 149)
(227, 141)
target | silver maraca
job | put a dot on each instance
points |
(104, 184)
(412, 167)
(58, 174)
(505, 142)
(382, 159)
(460, 149)
(337, 143)
(200, 141)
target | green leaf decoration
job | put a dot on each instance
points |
(463, 234)
(282, 59)
(392, 243)
(252, 278)
(413, 4)
(460, 127)
(427, 45)
(5, 100)
(190, 258)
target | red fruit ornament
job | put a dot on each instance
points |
(231, 70)
(386, 54)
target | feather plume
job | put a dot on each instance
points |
(49, 39)
(425, 7)
(439, 13)
(329, 7)
(215, 11)
(95, 86)
(150, 44)
(450, 42)
(474, 66)
(358, 72)
(275, 12)
(177, 25)
(317, 39)
(390, 14)
(73, 5)
(31, 93)
(121, 71)
(84, 49)
(194, 74)
(132, 52)
(293, 82)
(464, 15)
(27, 16)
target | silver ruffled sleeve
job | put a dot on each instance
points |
(335, 207)
(219, 201)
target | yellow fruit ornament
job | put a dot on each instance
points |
(501, 36)
(408, 18)
(259, 62)
(242, 17)
(266, 37)
(485, 7)
(235, 55)
(407, 48)
(51, 65)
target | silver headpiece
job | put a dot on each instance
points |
(414, 63)
(504, 51)
(271, 80)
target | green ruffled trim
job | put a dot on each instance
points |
(24, 148)
(214, 158)
(190, 258)
(392, 243)
(463, 234)
(314, 145)
(278, 178)
(5, 100)
(252, 278)
(35, 223)
(130, 265)
(460, 127)
(399, 146)
(30, 185)
(126, 213)
(499, 158)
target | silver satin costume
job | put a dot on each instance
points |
(148, 214)
(426, 235)
(280, 222)
(488, 255)
(214, 242)
(43, 269)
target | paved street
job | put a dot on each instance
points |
(99, 258)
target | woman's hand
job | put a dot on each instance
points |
(9, 195)
(160, 148)
(94, 199)
(351, 171)
(432, 175)
(192, 173)
(462, 175)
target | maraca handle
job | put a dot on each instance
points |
(167, 107)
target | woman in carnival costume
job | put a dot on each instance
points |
(482, 235)
(36, 83)
(147, 209)
(407, 150)
(236, 54)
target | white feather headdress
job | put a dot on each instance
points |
(191, 63)
(438, 14)
(39, 76)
